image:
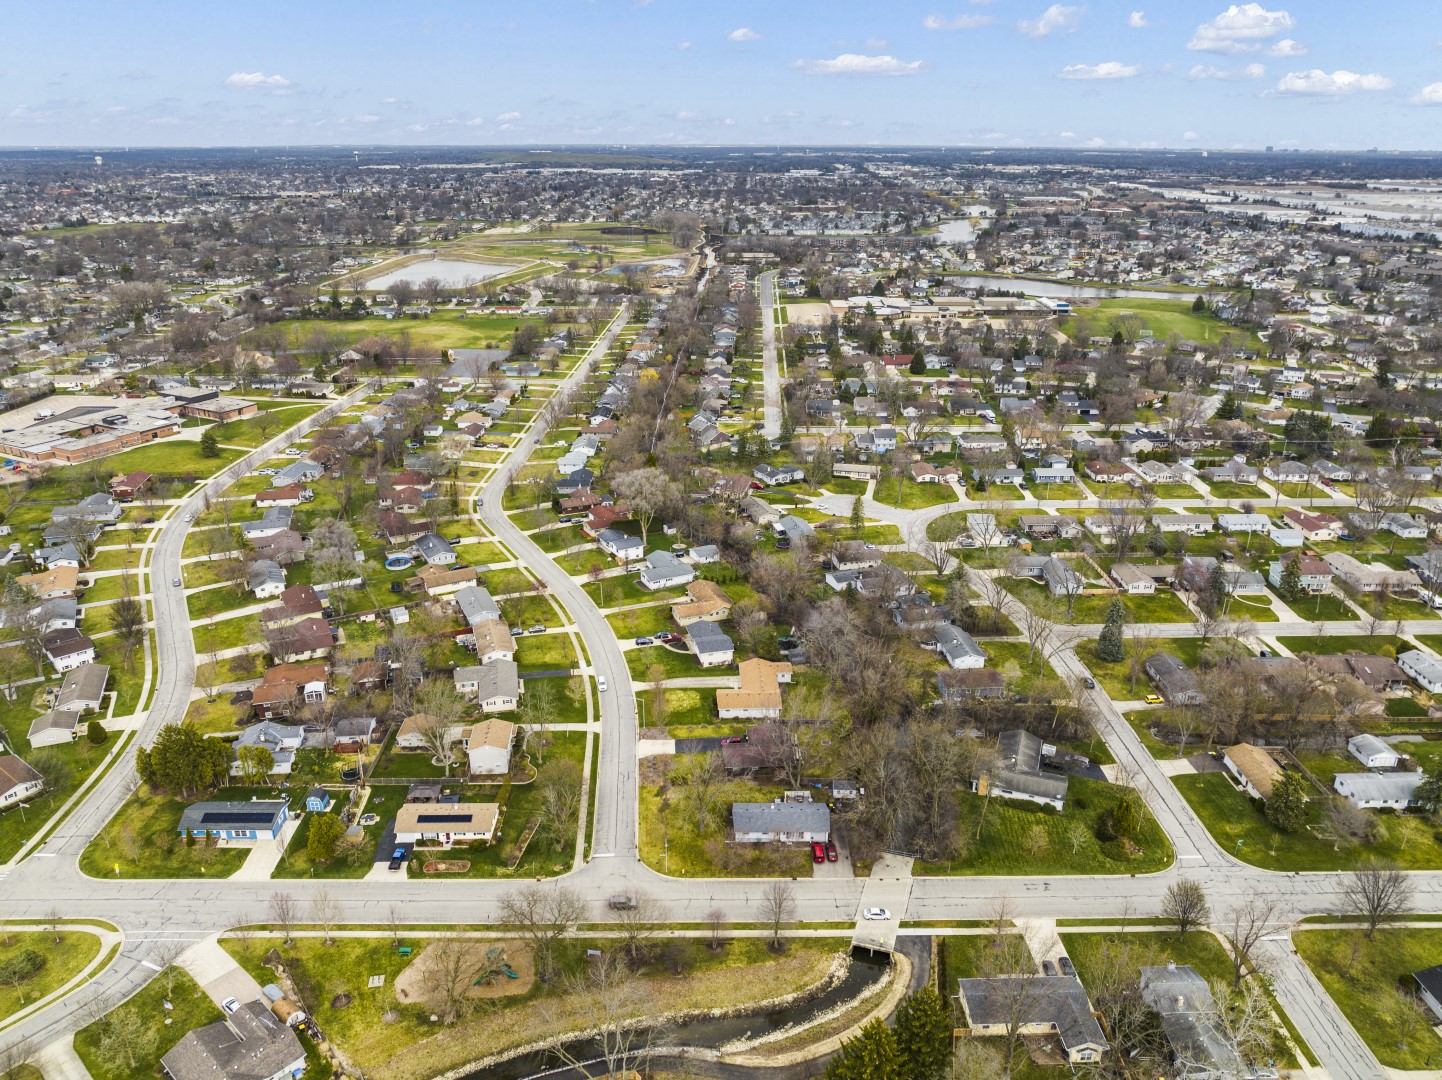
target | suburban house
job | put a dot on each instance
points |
(766, 746)
(712, 645)
(1429, 987)
(308, 639)
(1423, 669)
(493, 641)
(1244, 523)
(1049, 526)
(665, 571)
(128, 487)
(54, 728)
(1052, 1005)
(1106, 472)
(1255, 771)
(290, 495)
(251, 1043)
(352, 734)
(772, 475)
(1316, 575)
(446, 824)
(708, 601)
(1191, 524)
(265, 578)
(1173, 678)
(780, 822)
(297, 603)
(438, 580)
(621, 546)
(282, 740)
(275, 519)
(496, 686)
(1378, 672)
(759, 693)
(1317, 528)
(1133, 580)
(286, 687)
(83, 688)
(1019, 774)
(1373, 752)
(18, 781)
(233, 822)
(1200, 1049)
(854, 555)
(958, 648)
(1235, 471)
(970, 683)
(1378, 790)
(1155, 472)
(436, 550)
(476, 605)
(67, 649)
(54, 583)
(1370, 578)
(488, 747)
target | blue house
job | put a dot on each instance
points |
(317, 800)
(257, 820)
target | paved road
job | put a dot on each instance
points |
(770, 369)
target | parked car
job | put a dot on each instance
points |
(601, 683)
(175, 582)
(644, 641)
(1066, 966)
(733, 740)
(622, 902)
(818, 851)
(831, 855)
(876, 913)
(538, 629)
(1154, 699)
(667, 635)
(398, 858)
(1089, 682)
(230, 1004)
(1048, 968)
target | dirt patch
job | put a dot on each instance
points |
(340, 1001)
(415, 983)
(447, 866)
(654, 770)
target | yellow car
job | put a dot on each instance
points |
(1153, 699)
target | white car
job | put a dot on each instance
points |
(876, 913)
(190, 516)
(601, 683)
(292, 452)
(230, 1004)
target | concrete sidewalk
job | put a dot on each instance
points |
(59, 1061)
(266, 855)
(217, 973)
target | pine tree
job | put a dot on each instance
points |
(872, 1055)
(788, 429)
(1428, 795)
(923, 1035)
(1290, 585)
(1379, 431)
(1229, 409)
(209, 444)
(858, 518)
(1109, 642)
(1199, 305)
(918, 364)
(1287, 808)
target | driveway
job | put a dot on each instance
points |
(217, 973)
(841, 868)
(698, 746)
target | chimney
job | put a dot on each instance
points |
(1171, 965)
(1181, 1002)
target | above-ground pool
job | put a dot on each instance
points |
(398, 562)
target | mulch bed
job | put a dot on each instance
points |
(447, 866)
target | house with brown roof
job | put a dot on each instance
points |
(296, 603)
(446, 824)
(304, 640)
(1255, 771)
(493, 641)
(18, 781)
(400, 529)
(440, 580)
(707, 601)
(289, 495)
(284, 547)
(128, 487)
(488, 746)
(1375, 672)
(286, 687)
(53, 583)
(759, 693)
(1317, 528)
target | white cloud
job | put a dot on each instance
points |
(743, 33)
(1240, 28)
(1067, 135)
(1053, 20)
(256, 80)
(508, 116)
(1287, 47)
(368, 118)
(1190, 136)
(1110, 69)
(684, 46)
(1330, 83)
(1251, 71)
(389, 101)
(1096, 141)
(1430, 94)
(1137, 20)
(956, 22)
(860, 64)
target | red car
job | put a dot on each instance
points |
(732, 740)
(830, 851)
(818, 851)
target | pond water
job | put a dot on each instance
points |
(707, 1032)
(453, 273)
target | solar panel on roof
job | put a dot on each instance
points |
(232, 817)
(443, 819)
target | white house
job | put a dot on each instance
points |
(1378, 791)
(1244, 523)
(1193, 524)
(713, 647)
(1286, 538)
(1133, 580)
(489, 747)
(18, 781)
(664, 571)
(446, 824)
(1373, 752)
(783, 822)
(1425, 670)
(621, 546)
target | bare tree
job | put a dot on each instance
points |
(613, 1006)
(164, 955)
(326, 911)
(15, 1054)
(1185, 904)
(284, 914)
(640, 925)
(394, 921)
(1378, 892)
(452, 967)
(1246, 925)
(437, 731)
(702, 777)
(543, 914)
(716, 923)
(777, 909)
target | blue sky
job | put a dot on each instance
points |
(1310, 73)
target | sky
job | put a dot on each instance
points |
(1311, 74)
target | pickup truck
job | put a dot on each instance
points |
(622, 902)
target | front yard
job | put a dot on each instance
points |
(143, 840)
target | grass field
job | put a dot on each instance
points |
(143, 841)
(445, 329)
(1164, 318)
(1021, 838)
(909, 495)
(1343, 643)
(1366, 989)
(191, 1008)
(1241, 829)
(254, 430)
(63, 961)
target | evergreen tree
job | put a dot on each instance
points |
(1199, 305)
(95, 733)
(788, 429)
(872, 1055)
(858, 517)
(923, 1035)
(918, 365)
(1230, 409)
(1287, 808)
(1428, 795)
(1290, 585)
(209, 444)
(326, 831)
(182, 760)
(988, 341)
(1379, 431)
(1109, 643)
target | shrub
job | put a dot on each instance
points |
(95, 733)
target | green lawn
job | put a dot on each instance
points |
(173, 457)
(1116, 679)
(1010, 658)
(204, 604)
(1230, 817)
(1366, 990)
(1021, 838)
(671, 843)
(191, 1008)
(254, 430)
(384, 801)
(227, 634)
(909, 495)
(1198, 949)
(143, 840)
(1323, 607)
(1161, 607)
(544, 652)
(1165, 318)
(63, 961)
(1234, 492)
(1258, 610)
(641, 622)
(676, 665)
(1342, 643)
